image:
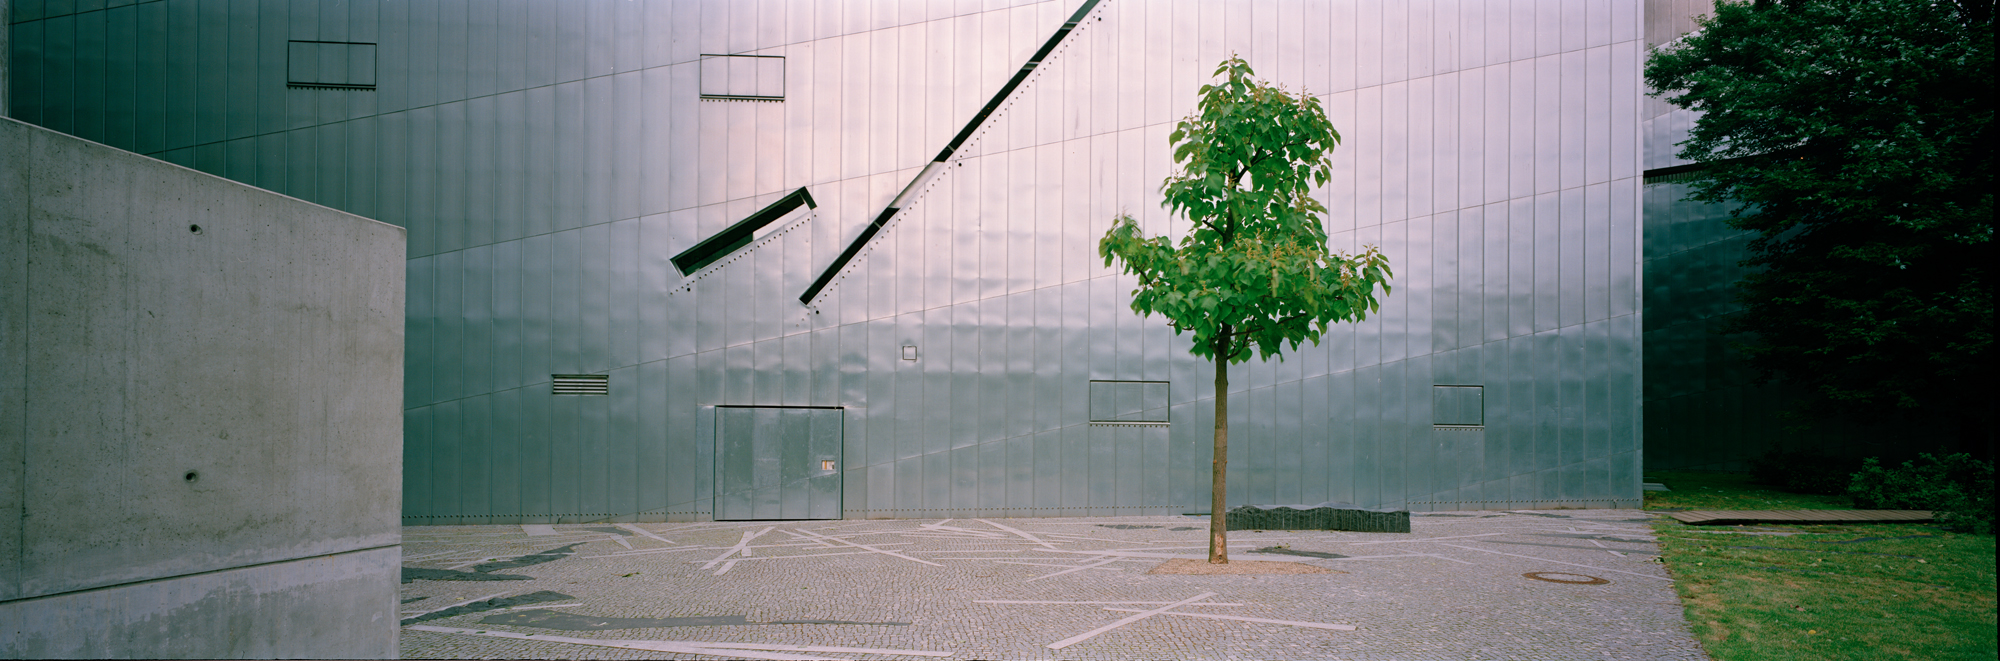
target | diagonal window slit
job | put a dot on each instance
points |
(937, 164)
(740, 234)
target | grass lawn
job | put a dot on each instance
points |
(1877, 591)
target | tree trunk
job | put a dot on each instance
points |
(1218, 516)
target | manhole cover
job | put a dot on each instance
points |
(1571, 579)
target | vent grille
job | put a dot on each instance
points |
(581, 384)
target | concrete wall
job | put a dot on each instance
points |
(200, 424)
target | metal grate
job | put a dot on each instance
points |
(581, 384)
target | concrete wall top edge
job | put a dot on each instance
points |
(200, 376)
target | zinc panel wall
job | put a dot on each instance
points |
(547, 162)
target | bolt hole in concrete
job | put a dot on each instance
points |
(1570, 579)
(194, 228)
(191, 476)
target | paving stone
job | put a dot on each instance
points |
(1008, 588)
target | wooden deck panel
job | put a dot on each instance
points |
(1713, 517)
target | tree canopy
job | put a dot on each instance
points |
(1854, 139)
(1254, 271)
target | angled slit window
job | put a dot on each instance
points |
(742, 77)
(742, 233)
(937, 164)
(331, 65)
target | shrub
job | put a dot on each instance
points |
(1957, 487)
(1803, 471)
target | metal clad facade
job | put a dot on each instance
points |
(1704, 410)
(550, 158)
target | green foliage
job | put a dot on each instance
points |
(1803, 471)
(1833, 592)
(1254, 271)
(1854, 138)
(1958, 488)
(1702, 490)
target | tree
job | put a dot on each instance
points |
(1854, 139)
(1253, 272)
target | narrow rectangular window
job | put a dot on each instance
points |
(331, 65)
(743, 77)
(1128, 402)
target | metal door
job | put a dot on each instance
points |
(777, 463)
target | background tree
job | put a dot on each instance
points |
(1854, 137)
(1254, 271)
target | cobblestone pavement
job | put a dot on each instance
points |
(1060, 588)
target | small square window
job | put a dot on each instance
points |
(1458, 406)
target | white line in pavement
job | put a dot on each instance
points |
(1432, 539)
(739, 547)
(462, 603)
(1099, 563)
(964, 531)
(809, 541)
(737, 650)
(1607, 549)
(1169, 556)
(733, 561)
(1098, 603)
(1023, 535)
(1072, 538)
(1314, 625)
(1151, 549)
(645, 532)
(1072, 640)
(1559, 562)
(1044, 564)
(816, 648)
(650, 552)
(1405, 555)
(523, 608)
(871, 548)
(463, 565)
